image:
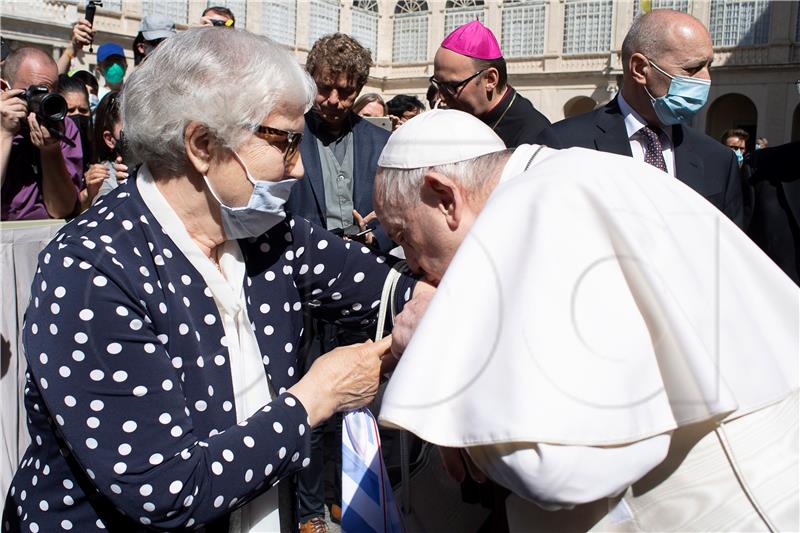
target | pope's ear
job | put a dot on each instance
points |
(445, 195)
(198, 145)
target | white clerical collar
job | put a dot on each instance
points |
(633, 120)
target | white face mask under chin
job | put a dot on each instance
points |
(264, 209)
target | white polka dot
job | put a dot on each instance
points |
(166, 385)
(319, 269)
(81, 337)
(120, 467)
(43, 358)
(268, 470)
(43, 383)
(55, 308)
(60, 292)
(163, 338)
(227, 406)
(78, 356)
(287, 269)
(322, 245)
(66, 524)
(125, 449)
(70, 401)
(281, 452)
(43, 505)
(297, 306)
(68, 262)
(64, 371)
(227, 455)
(269, 330)
(176, 431)
(96, 405)
(119, 376)
(200, 405)
(156, 459)
(139, 391)
(146, 490)
(68, 500)
(149, 507)
(114, 348)
(129, 426)
(359, 277)
(301, 429)
(219, 360)
(287, 307)
(93, 422)
(148, 288)
(96, 375)
(100, 281)
(175, 487)
(165, 418)
(163, 308)
(183, 329)
(248, 476)
(306, 462)
(127, 225)
(264, 308)
(135, 324)
(53, 329)
(336, 296)
(303, 269)
(295, 457)
(177, 362)
(265, 359)
(186, 280)
(218, 501)
(86, 314)
(68, 484)
(91, 443)
(216, 467)
(290, 372)
(248, 441)
(209, 319)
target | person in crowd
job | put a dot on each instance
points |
(152, 32)
(111, 67)
(107, 170)
(77, 98)
(665, 60)
(773, 182)
(82, 35)
(370, 105)
(92, 87)
(163, 389)
(5, 50)
(599, 379)
(469, 72)
(218, 16)
(340, 154)
(736, 139)
(403, 107)
(433, 98)
(41, 161)
(761, 143)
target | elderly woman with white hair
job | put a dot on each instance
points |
(163, 328)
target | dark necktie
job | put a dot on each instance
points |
(653, 153)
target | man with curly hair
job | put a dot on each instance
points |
(340, 154)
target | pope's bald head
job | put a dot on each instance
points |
(660, 32)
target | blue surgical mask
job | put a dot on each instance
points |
(739, 156)
(263, 211)
(684, 98)
(93, 101)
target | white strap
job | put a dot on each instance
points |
(387, 297)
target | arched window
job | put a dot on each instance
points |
(324, 19)
(587, 26)
(459, 12)
(238, 7)
(278, 20)
(523, 27)
(365, 24)
(178, 11)
(739, 23)
(410, 32)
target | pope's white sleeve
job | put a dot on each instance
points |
(555, 476)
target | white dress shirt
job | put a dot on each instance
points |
(633, 124)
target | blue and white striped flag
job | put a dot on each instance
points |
(367, 501)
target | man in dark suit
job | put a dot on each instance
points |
(774, 185)
(340, 153)
(339, 150)
(665, 63)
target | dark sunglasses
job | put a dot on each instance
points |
(451, 88)
(286, 141)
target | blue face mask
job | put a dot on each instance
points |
(263, 211)
(739, 156)
(684, 98)
(93, 101)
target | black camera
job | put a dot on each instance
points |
(49, 108)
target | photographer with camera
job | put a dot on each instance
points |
(40, 152)
(218, 16)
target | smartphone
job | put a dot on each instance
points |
(381, 122)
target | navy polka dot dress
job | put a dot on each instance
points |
(129, 394)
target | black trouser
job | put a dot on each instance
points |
(326, 438)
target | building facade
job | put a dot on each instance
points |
(564, 55)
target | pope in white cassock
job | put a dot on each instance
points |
(604, 342)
